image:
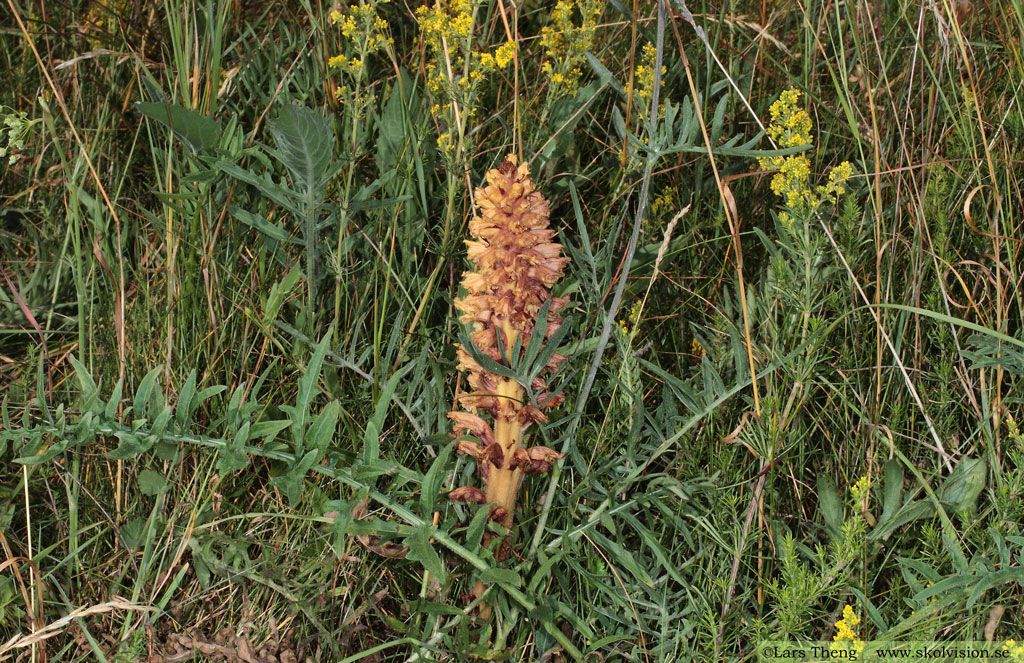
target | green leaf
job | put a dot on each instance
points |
(604, 75)
(306, 391)
(485, 361)
(494, 575)
(990, 580)
(393, 137)
(278, 292)
(198, 131)
(271, 230)
(232, 457)
(477, 526)
(37, 456)
(432, 481)
(909, 512)
(268, 187)
(151, 483)
(267, 429)
(321, 431)
(364, 205)
(85, 381)
(422, 551)
(892, 489)
(380, 411)
(304, 141)
(131, 445)
(290, 482)
(961, 490)
(830, 505)
(183, 408)
(145, 390)
(342, 521)
(134, 533)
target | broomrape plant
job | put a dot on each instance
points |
(511, 312)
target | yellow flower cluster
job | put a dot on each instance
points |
(351, 66)
(631, 323)
(454, 68)
(446, 29)
(846, 637)
(791, 126)
(453, 21)
(1015, 649)
(365, 32)
(859, 491)
(643, 77)
(565, 43)
(446, 144)
(500, 59)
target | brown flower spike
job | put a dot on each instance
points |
(515, 262)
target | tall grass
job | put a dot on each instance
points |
(227, 343)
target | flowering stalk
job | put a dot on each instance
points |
(515, 263)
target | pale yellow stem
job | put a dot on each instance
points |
(503, 483)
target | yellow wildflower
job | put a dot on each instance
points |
(364, 33)
(565, 43)
(1015, 649)
(859, 490)
(846, 638)
(643, 77)
(792, 127)
(504, 54)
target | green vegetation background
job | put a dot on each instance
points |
(231, 235)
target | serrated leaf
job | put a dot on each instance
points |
(151, 483)
(304, 140)
(422, 551)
